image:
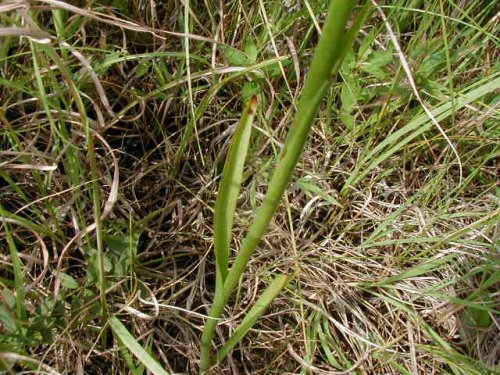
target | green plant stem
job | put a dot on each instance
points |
(327, 55)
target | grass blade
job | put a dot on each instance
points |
(255, 313)
(121, 332)
(420, 124)
(310, 187)
(229, 188)
(17, 267)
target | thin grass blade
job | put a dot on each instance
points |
(310, 187)
(122, 333)
(420, 124)
(255, 313)
(17, 268)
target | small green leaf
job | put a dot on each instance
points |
(249, 89)
(102, 65)
(251, 51)
(68, 282)
(310, 187)
(348, 120)
(235, 56)
(122, 250)
(348, 98)
(376, 61)
(141, 70)
(476, 317)
(380, 58)
(7, 320)
(108, 266)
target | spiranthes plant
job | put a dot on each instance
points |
(332, 47)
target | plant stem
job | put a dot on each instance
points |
(327, 56)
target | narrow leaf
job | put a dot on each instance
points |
(310, 187)
(417, 270)
(229, 188)
(120, 331)
(255, 313)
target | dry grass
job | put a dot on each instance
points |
(401, 278)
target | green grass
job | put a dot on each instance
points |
(148, 199)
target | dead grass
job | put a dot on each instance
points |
(401, 278)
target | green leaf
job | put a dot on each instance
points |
(476, 317)
(7, 304)
(121, 332)
(349, 121)
(249, 90)
(235, 56)
(308, 186)
(122, 250)
(348, 98)
(102, 65)
(142, 69)
(251, 51)
(380, 58)
(376, 62)
(229, 188)
(108, 266)
(255, 313)
(68, 282)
